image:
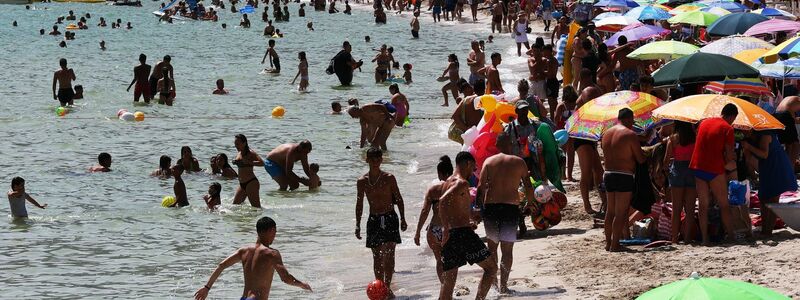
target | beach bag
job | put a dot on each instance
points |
(738, 192)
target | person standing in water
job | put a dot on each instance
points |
(435, 230)
(179, 188)
(400, 103)
(376, 124)
(460, 243)
(302, 72)
(63, 77)
(343, 65)
(158, 74)
(382, 61)
(280, 162)
(493, 75)
(476, 60)
(259, 264)
(17, 197)
(451, 74)
(140, 73)
(383, 228)
(415, 25)
(246, 159)
(274, 61)
(166, 88)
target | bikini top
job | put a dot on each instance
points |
(683, 153)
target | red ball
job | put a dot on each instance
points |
(554, 219)
(377, 290)
(550, 209)
(540, 223)
(560, 199)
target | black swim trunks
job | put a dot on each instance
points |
(276, 63)
(65, 96)
(153, 85)
(463, 246)
(415, 34)
(577, 143)
(383, 229)
(501, 222)
(618, 182)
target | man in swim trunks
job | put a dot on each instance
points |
(415, 25)
(64, 78)
(498, 187)
(476, 60)
(274, 61)
(344, 65)
(493, 75)
(280, 162)
(259, 264)
(536, 66)
(460, 244)
(622, 152)
(157, 74)
(140, 73)
(628, 68)
(497, 16)
(551, 79)
(714, 157)
(376, 124)
(383, 227)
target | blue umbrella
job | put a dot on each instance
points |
(729, 6)
(616, 3)
(642, 13)
(736, 23)
(784, 69)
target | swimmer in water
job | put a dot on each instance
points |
(188, 161)
(212, 199)
(17, 197)
(280, 162)
(165, 88)
(103, 45)
(78, 92)
(163, 170)
(259, 264)
(103, 163)
(407, 73)
(225, 169)
(310, 26)
(274, 61)
(246, 159)
(245, 22)
(313, 178)
(336, 108)
(179, 188)
(400, 103)
(302, 72)
(63, 77)
(220, 88)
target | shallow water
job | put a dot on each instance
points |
(106, 235)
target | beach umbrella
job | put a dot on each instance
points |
(616, 3)
(696, 287)
(639, 32)
(784, 69)
(775, 13)
(662, 6)
(596, 116)
(735, 23)
(685, 8)
(773, 26)
(729, 6)
(744, 86)
(788, 49)
(702, 67)
(731, 45)
(606, 15)
(648, 13)
(750, 56)
(614, 24)
(715, 10)
(695, 108)
(698, 18)
(666, 50)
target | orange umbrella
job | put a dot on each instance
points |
(751, 55)
(698, 107)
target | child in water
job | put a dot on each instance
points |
(220, 88)
(103, 163)
(313, 179)
(212, 199)
(336, 108)
(179, 188)
(302, 72)
(17, 197)
(407, 73)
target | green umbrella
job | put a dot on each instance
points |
(702, 67)
(663, 50)
(699, 18)
(698, 288)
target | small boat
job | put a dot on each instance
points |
(126, 3)
(16, 2)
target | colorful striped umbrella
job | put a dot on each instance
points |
(775, 13)
(639, 32)
(773, 26)
(666, 50)
(750, 56)
(736, 23)
(614, 24)
(784, 69)
(695, 108)
(731, 45)
(686, 8)
(600, 114)
(788, 49)
(648, 13)
(744, 86)
(698, 18)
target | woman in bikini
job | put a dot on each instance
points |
(451, 72)
(302, 72)
(383, 65)
(435, 229)
(187, 160)
(166, 88)
(578, 53)
(246, 159)
(225, 169)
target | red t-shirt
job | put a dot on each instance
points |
(712, 137)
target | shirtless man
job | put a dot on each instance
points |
(383, 235)
(492, 75)
(537, 66)
(64, 78)
(622, 152)
(460, 244)
(269, 30)
(500, 179)
(157, 74)
(376, 124)
(628, 68)
(103, 163)
(274, 61)
(497, 16)
(551, 80)
(140, 73)
(476, 60)
(55, 31)
(280, 162)
(259, 264)
(400, 103)
(415, 25)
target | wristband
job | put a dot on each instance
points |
(207, 287)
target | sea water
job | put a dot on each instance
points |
(106, 235)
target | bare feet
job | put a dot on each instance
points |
(504, 290)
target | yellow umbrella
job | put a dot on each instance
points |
(698, 107)
(750, 56)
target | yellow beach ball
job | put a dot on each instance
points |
(278, 111)
(168, 201)
(138, 116)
